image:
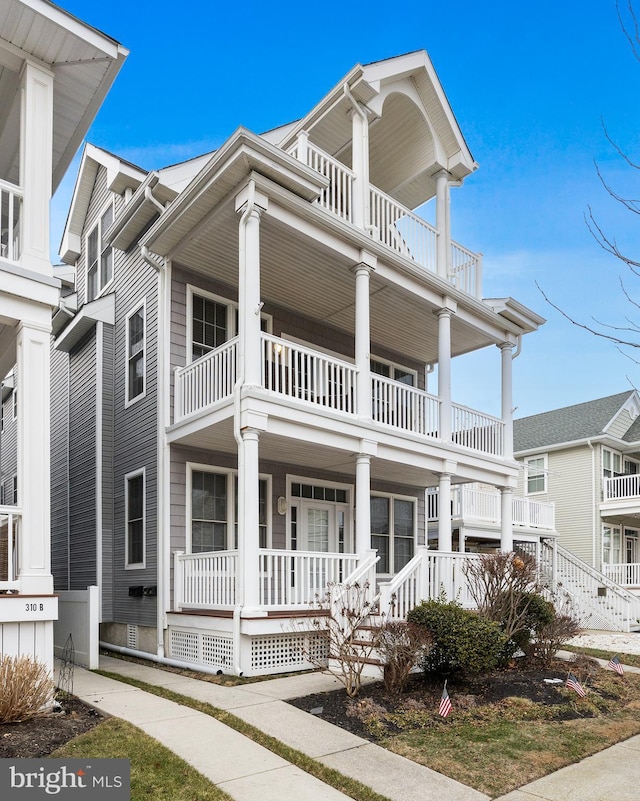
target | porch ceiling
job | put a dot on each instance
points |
(304, 275)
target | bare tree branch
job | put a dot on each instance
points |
(607, 244)
(617, 148)
(632, 37)
(632, 204)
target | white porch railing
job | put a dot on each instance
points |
(337, 197)
(298, 372)
(10, 221)
(404, 407)
(402, 230)
(477, 431)
(484, 506)
(620, 487)
(466, 270)
(625, 574)
(205, 580)
(10, 517)
(300, 578)
(206, 381)
(425, 577)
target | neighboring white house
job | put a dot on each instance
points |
(54, 73)
(586, 460)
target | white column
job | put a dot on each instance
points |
(442, 223)
(34, 487)
(363, 343)
(507, 397)
(444, 372)
(363, 503)
(360, 162)
(506, 523)
(249, 518)
(36, 138)
(444, 513)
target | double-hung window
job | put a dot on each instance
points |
(136, 354)
(135, 519)
(214, 510)
(99, 255)
(393, 529)
(211, 325)
(536, 474)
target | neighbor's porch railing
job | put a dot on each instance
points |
(401, 406)
(10, 221)
(10, 517)
(484, 506)
(206, 381)
(620, 487)
(625, 574)
(296, 371)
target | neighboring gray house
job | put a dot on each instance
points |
(240, 409)
(586, 460)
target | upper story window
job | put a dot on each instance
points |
(393, 531)
(135, 519)
(394, 371)
(536, 474)
(611, 463)
(136, 354)
(99, 256)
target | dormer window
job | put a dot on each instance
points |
(99, 256)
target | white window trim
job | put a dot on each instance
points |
(230, 304)
(544, 470)
(134, 474)
(127, 400)
(14, 404)
(98, 225)
(412, 372)
(230, 473)
(394, 496)
(613, 527)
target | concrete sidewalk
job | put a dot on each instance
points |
(247, 771)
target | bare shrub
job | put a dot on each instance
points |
(401, 646)
(503, 585)
(555, 633)
(26, 688)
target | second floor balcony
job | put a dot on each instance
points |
(621, 495)
(326, 384)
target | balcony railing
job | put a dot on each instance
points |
(298, 372)
(404, 407)
(338, 196)
(10, 222)
(211, 378)
(10, 517)
(483, 506)
(622, 487)
(477, 431)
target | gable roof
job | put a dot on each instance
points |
(569, 424)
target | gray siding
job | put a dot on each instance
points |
(60, 469)
(8, 447)
(82, 463)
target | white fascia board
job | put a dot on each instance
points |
(101, 310)
(515, 312)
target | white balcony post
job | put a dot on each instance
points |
(36, 138)
(249, 519)
(303, 150)
(363, 504)
(444, 513)
(507, 397)
(506, 519)
(444, 371)
(251, 203)
(443, 223)
(363, 343)
(360, 166)
(32, 352)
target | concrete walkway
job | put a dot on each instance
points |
(247, 771)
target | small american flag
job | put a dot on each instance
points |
(445, 703)
(614, 664)
(575, 685)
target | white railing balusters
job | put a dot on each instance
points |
(401, 406)
(478, 505)
(10, 517)
(10, 221)
(480, 432)
(206, 381)
(626, 574)
(620, 487)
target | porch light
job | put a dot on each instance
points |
(282, 505)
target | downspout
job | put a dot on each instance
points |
(593, 505)
(237, 394)
(518, 349)
(160, 438)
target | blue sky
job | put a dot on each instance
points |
(529, 84)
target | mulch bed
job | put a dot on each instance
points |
(39, 737)
(420, 691)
